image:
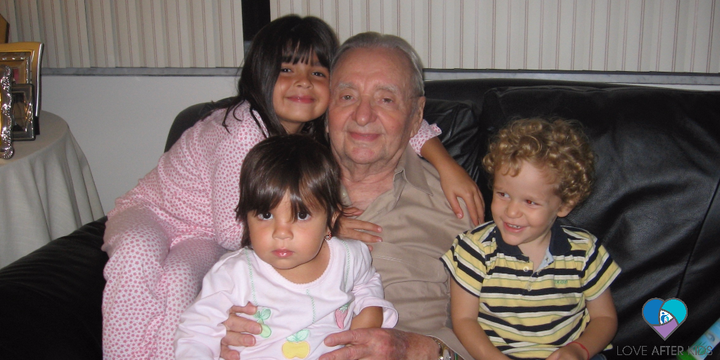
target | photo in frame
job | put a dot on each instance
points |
(24, 59)
(23, 115)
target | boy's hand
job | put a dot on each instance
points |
(570, 351)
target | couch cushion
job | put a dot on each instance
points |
(51, 299)
(657, 176)
(462, 132)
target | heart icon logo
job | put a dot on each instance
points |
(664, 316)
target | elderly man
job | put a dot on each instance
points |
(376, 106)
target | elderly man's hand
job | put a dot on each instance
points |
(241, 331)
(379, 344)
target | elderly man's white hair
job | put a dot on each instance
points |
(372, 40)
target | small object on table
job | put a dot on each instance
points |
(6, 120)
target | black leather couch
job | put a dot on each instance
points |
(654, 207)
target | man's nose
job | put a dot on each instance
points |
(364, 113)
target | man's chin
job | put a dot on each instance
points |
(363, 157)
(360, 153)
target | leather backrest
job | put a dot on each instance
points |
(658, 169)
(189, 116)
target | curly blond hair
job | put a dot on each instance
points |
(557, 144)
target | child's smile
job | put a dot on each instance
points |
(525, 206)
(301, 93)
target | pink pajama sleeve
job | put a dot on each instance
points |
(425, 133)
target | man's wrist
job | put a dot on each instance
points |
(445, 352)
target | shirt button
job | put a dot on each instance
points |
(526, 269)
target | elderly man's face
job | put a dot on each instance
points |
(371, 118)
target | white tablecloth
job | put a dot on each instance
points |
(46, 190)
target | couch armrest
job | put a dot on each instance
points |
(51, 299)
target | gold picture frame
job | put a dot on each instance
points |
(24, 58)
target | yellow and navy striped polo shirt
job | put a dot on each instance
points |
(530, 314)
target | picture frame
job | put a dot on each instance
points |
(25, 59)
(24, 123)
(6, 146)
(20, 66)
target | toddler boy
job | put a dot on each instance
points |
(523, 286)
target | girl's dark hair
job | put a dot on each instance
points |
(295, 165)
(290, 39)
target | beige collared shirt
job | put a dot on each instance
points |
(418, 228)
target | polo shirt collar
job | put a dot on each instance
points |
(410, 170)
(559, 242)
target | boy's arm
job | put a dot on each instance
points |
(455, 181)
(464, 311)
(599, 331)
(369, 317)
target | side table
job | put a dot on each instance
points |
(46, 190)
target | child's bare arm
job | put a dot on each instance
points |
(598, 333)
(369, 317)
(455, 181)
(464, 310)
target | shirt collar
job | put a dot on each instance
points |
(410, 170)
(559, 242)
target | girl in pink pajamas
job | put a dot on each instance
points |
(167, 232)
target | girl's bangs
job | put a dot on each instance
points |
(297, 50)
(269, 196)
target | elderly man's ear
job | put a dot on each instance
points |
(417, 117)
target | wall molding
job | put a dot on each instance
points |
(430, 75)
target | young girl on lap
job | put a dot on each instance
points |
(166, 233)
(306, 283)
